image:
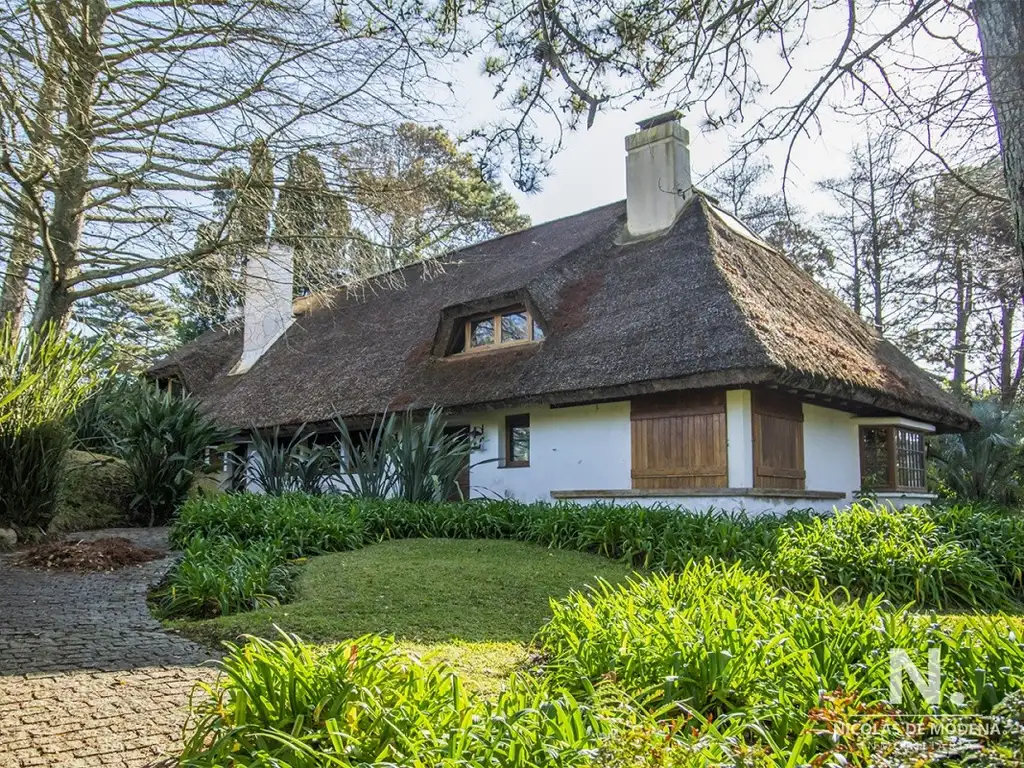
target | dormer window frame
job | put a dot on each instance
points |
(534, 331)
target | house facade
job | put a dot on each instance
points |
(652, 351)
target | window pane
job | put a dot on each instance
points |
(481, 332)
(538, 332)
(517, 437)
(514, 327)
(910, 459)
(520, 444)
(874, 461)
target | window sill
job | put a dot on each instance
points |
(514, 465)
(640, 493)
(920, 492)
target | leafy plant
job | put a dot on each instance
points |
(875, 549)
(723, 640)
(364, 703)
(278, 466)
(936, 557)
(417, 460)
(164, 442)
(43, 378)
(221, 576)
(986, 463)
(427, 459)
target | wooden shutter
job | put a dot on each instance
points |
(679, 441)
(778, 441)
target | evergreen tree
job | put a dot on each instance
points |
(418, 196)
(315, 221)
(134, 327)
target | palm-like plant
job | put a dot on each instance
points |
(428, 459)
(277, 465)
(367, 470)
(163, 441)
(417, 460)
(43, 378)
(987, 462)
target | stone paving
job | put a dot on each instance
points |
(87, 676)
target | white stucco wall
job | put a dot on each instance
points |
(739, 430)
(570, 448)
(831, 450)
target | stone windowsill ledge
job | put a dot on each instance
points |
(645, 493)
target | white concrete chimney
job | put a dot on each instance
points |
(657, 174)
(267, 310)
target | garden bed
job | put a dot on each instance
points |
(751, 642)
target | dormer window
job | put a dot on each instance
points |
(513, 325)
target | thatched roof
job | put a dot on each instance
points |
(704, 305)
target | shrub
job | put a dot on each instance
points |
(937, 557)
(96, 492)
(986, 463)
(164, 443)
(96, 423)
(995, 535)
(415, 460)
(43, 378)
(363, 703)
(221, 576)
(278, 466)
(723, 640)
(874, 549)
(298, 525)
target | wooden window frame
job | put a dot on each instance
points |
(891, 483)
(512, 421)
(495, 318)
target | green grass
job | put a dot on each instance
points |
(474, 604)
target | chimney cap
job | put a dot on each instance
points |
(664, 117)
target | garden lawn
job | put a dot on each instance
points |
(475, 604)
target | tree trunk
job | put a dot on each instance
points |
(964, 279)
(14, 291)
(71, 194)
(1001, 31)
(1009, 352)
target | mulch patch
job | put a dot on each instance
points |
(99, 555)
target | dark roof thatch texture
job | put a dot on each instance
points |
(702, 305)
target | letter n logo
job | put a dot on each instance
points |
(930, 690)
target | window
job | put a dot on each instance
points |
(509, 326)
(892, 458)
(481, 332)
(517, 440)
(171, 384)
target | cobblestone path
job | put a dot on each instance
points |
(87, 676)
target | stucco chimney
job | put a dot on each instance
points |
(267, 310)
(657, 174)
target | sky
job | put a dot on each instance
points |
(590, 171)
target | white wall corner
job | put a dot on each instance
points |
(267, 310)
(739, 428)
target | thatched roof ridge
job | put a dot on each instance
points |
(702, 305)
